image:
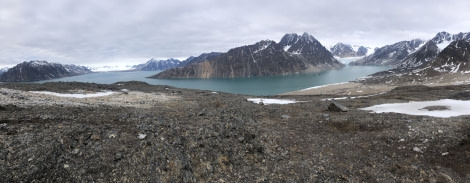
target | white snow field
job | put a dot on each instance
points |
(266, 101)
(444, 108)
(98, 94)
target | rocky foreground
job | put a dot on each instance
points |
(148, 133)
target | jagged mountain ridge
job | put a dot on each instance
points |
(345, 50)
(390, 55)
(41, 70)
(421, 55)
(455, 58)
(157, 65)
(293, 54)
(449, 64)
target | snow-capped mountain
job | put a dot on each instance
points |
(390, 55)
(431, 49)
(293, 54)
(410, 54)
(41, 70)
(423, 55)
(451, 63)
(455, 58)
(443, 39)
(157, 65)
(345, 50)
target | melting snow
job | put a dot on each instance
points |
(98, 94)
(266, 101)
(444, 108)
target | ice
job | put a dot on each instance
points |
(98, 94)
(266, 101)
(445, 108)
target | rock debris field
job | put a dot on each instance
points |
(135, 132)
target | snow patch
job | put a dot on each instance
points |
(98, 94)
(444, 108)
(443, 44)
(266, 101)
(321, 86)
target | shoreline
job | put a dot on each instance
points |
(346, 88)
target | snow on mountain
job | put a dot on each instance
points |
(157, 65)
(443, 39)
(41, 70)
(293, 54)
(391, 55)
(108, 68)
(345, 50)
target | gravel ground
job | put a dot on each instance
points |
(148, 133)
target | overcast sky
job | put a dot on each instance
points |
(107, 32)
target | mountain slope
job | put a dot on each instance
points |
(390, 55)
(451, 65)
(421, 56)
(407, 55)
(157, 65)
(41, 70)
(293, 54)
(200, 58)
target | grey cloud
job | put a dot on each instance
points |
(85, 32)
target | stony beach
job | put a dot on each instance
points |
(144, 133)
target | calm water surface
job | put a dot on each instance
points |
(267, 85)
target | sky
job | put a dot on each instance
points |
(116, 32)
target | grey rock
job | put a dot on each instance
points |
(336, 107)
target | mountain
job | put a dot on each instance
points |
(345, 50)
(455, 58)
(410, 54)
(452, 63)
(41, 70)
(3, 70)
(390, 55)
(423, 55)
(293, 54)
(157, 65)
(200, 58)
(443, 39)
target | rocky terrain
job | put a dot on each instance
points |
(293, 54)
(145, 133)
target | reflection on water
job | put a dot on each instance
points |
(266, 85)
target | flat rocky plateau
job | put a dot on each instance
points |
(148, 133)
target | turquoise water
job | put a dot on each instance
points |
(267, 85)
